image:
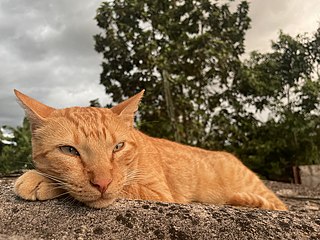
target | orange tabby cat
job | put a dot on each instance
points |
(96, 156)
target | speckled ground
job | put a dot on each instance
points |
(65, 219)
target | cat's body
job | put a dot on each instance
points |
(97, 156)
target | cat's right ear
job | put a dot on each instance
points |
(127, 108)
(35, 111)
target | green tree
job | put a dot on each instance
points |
(184, 53)
(285, 84)
(95, 103)
(15, 152)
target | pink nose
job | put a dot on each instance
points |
(101, 184)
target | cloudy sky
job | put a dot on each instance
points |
(47, 49)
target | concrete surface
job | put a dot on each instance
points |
(67, 219)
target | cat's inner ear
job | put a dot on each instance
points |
(127, 108)
(36, 111)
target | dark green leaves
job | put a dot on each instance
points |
(196, 43)
(15, 151)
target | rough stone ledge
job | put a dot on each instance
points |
(65, 219)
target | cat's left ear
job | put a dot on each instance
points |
(127, 108)
(35, 111)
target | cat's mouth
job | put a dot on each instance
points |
(101, 202)
(96, 201)
(93, 198)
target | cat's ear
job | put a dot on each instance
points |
(35, 111)
(127, 108)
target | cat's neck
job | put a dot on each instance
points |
(161, 144)
(164, 152)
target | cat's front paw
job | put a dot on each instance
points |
(33, 186)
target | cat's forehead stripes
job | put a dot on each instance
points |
(85, 114)
(91, 122)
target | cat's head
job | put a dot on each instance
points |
(89, 151)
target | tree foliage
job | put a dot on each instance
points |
(184, 53)
(15, 150)
(285, 83)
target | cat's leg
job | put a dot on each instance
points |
(155, 193)
(33, 186)
(255, 200)
(148, 194)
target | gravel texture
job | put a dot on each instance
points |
(67, 219)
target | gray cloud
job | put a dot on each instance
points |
(47, 49)
(269, 17)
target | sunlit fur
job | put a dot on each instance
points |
(144, 168)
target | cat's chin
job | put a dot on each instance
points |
(100, 203)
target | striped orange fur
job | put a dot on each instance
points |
(96, 156)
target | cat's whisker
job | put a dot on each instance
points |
(67, 198)
(62, 194)
(124, 192)
(54, 184)
(54, 178)
(59, 183)
(133, 176)
(55, 187)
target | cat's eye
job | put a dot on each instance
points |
(118, 147)
(69, 150)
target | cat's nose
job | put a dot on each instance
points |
(101, 184)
